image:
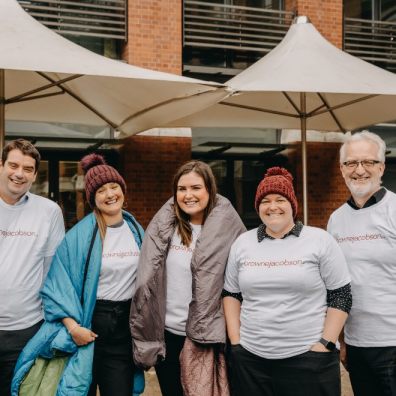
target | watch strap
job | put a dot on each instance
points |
(328, 344)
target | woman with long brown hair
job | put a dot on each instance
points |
(180, 275)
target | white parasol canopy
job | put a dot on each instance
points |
(305, 82)
(45, 77)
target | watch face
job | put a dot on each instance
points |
(328, 344)
(331, 346)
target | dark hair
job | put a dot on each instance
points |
(25, 147)
(182, 218)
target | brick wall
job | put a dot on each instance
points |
(154, 42)
(155, 35)
(326, 15)
(326, 187)
(149, 164)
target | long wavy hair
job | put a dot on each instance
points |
(182, 218)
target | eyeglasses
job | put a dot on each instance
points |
(367, 164)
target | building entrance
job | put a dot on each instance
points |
(60, 178)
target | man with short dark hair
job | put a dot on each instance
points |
(31, 228)
(365, 228)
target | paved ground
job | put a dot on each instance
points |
(346, 385)
(152, 388)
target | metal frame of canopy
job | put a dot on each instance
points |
(303, 116)
(36, 65)
(305, 82)
(39, 93)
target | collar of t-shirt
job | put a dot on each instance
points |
(21, 201)
(376, 197)
(296, 231)
(117, 225)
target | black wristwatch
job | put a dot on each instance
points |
(328, 344)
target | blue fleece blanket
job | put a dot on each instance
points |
(61, 296)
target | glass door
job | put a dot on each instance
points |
(60, 178)
(71, 197)
(41, 185)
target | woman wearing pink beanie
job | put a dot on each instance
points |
(286, 298)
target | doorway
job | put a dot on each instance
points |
(60, 178)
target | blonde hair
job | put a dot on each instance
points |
(101, 223)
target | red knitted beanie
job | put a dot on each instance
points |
(277, 181)
(97, 173)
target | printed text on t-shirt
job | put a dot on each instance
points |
(182, 248)
(270, 263)
(359, 238)
(23, 233)
(129, 253)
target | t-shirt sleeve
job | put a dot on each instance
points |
(333, 266)
(231, 283)
(329, 225)
(56, 232)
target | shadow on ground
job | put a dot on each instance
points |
(152, 388)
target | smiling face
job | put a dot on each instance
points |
(276, 213)
(17, 175)
(109, 199)
(192, 196)
(362, 182)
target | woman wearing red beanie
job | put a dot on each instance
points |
(88, 291)
(286, 298)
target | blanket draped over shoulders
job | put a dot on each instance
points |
(61, 297)
(205, 323)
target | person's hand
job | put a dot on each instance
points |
(82, 336)
(318, 347)
(343, 355)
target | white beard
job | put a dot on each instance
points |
(361, 190)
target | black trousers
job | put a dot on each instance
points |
(372, 370)
(308, 374)
(168, 371)
(11, 344)
(113, 367)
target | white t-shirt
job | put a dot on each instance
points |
(368, 239)
(30, 232)
(179, 282)
(119, 264)
(283, 284)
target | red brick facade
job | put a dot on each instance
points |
(155, 35)
(326, 187)
(149, 164)
(326, 15)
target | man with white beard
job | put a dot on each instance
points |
(365, 228)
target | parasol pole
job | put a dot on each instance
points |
(2, 109)
(303, 118)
